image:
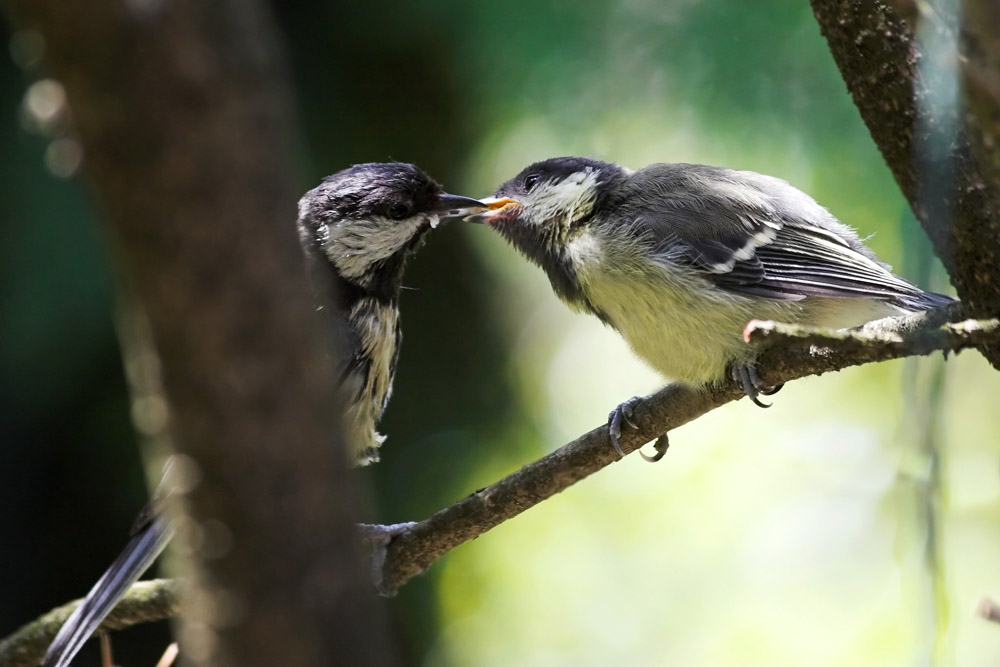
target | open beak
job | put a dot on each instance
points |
(454, 206)
(494, 207)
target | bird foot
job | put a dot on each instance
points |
(661, 445)
(622, 413)
(380, 536)
(753, 386)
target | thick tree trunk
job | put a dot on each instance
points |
(944, 157)
(182, 113)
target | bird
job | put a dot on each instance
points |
(357, 228)
(679, 257)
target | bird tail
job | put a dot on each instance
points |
(140, 552)
(920, 300)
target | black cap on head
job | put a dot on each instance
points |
(554, 170)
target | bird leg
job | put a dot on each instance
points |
(622, 413)
(746, 375)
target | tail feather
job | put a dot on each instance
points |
(140, 552)
(921, 300)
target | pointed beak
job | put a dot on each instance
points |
(495, 207)
(454, 206)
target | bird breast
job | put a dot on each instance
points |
(673, 320)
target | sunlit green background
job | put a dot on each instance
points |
(855, 522)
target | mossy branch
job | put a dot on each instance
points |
(145, 602)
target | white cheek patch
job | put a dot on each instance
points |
(567, 200)
(355, 245)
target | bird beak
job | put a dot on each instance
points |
(494, 207)
(454, 206)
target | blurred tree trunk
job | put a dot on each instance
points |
(393, 89)
(944, 155)
(182, 113)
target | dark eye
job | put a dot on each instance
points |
(399, 211)
(530, 181)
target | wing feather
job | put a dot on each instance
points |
(756, 235)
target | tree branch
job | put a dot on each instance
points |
(942, 152)
(145, 602)
(413, 550)
(792, 352)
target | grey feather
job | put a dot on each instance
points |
(757, 235)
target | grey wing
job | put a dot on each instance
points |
(759, 236)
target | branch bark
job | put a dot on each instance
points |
(183, 115)
(951, 180)
(145, 602)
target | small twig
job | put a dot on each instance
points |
(169, 656)
(989, 610)
(107, 659)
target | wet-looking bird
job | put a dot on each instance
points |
(358, 227)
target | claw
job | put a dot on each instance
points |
(771, 391)
(661, 445)
(622, 413)
(752, 385)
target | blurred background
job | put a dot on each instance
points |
(855, 522)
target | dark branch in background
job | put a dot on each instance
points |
(878, 58)
(183, 115)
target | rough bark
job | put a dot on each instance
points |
(183, 116)
(954, 192)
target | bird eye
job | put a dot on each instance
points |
(399, 211)
(530, 181)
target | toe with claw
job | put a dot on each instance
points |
(661, 445)
(623, 413)
(746, 375)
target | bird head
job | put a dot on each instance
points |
(365, 219)
(540, 209)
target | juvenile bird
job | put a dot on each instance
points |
(357, 228)
(678, 258)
